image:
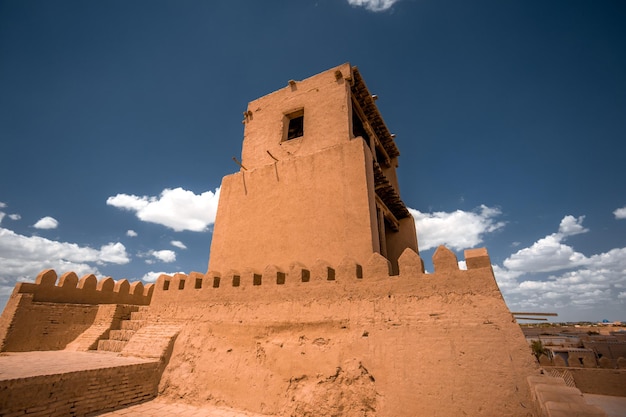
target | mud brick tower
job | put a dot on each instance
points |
(315, 303)
(318, 180)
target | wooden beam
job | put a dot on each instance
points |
(534, 314)
(393, 221)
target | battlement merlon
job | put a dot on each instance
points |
(317, 180)
(322, 279)
(86, 290)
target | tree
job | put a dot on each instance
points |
(538, 349)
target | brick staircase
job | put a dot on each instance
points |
(118, 338)
(561, 373)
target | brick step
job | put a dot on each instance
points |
(139, 315)
(111, 345)
(121, 334)
(132, 324)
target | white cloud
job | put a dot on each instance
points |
(549, 253)
(457, 230)
(580, 287)
(46, 223)
(178, 244)
(164, 255)
(11, 216)
(546, 255)
(113, 253)
(373, 5)
(153, 276)
(23, 257)
(571, 226)
(176, 208)
(620, 213)
(131, 233)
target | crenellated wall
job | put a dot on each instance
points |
(319, 338)
(48, 315)
(86, 290)
(324, 279)
(315, 339)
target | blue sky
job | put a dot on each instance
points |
(118, 120)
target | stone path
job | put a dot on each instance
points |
(159, 407)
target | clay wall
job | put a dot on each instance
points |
(46, 326)
(348, 337)
(79, 393)
(86, 290)
(608, 349)
(277, 213)
(581, 359)
(48, 315)
(599, 381)
(325, 100)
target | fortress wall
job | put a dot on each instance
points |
(441, 344)
(79, 393)
(600, 381)
(48, 315)
(86, 290)
(46, 326)
(324, 279)
(321, 200)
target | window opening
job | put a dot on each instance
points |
(198, 283)
(306, 275)
(295, 125)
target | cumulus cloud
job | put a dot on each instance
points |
(620, 213)
(164, 255)
(177, 208)
(550, 253)
(373, 5)
(46, 223)
(131, 233)
(458, 229)
(114, 253)
(545, 255)
(552, 276)
(571, 226)
(153, 276)
(10, 216)
(178, 244)
(23, 257)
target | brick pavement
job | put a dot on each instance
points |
(29, 364)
